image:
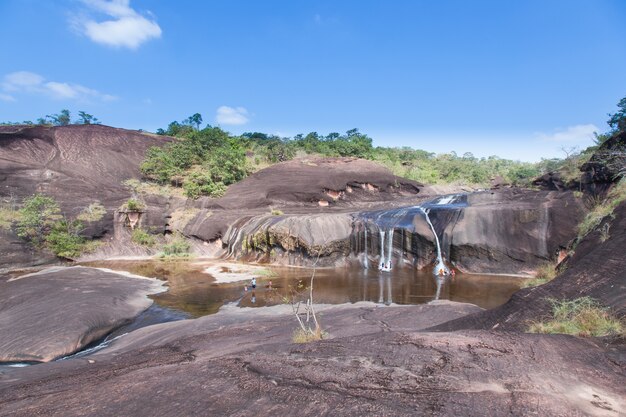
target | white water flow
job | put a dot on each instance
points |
(446, 200)
(382, 250)
(366, 263)
(441, 266)
(390, 234)
(386, 239)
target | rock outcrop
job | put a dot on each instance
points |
(58, 311)
(378, 361)
(76, 165)
(504, 231)
(597, 270)
(301, 186)
(606, 165)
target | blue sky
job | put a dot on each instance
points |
(518, 79)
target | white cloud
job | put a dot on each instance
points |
(571, 134)
(232, 115)
(6, 97)
(21, 80)
(29, 82)
(126, 28)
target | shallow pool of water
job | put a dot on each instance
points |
(195, 292)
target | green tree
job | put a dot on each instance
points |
(86, 119)
(617, 121)
(195, 120)
(61, 119)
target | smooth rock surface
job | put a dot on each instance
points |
(58, 311)
(377, 362)
(597, 270)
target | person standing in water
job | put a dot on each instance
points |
(253, 283)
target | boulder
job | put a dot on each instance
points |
(58, 311)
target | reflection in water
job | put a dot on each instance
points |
(195, 292)
(440, 280)
(384, 285)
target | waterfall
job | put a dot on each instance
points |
(382, 250)
(448, 199)
(386, 239)
(389, 249)
(403, 220)
(365, 258)
(440, 264)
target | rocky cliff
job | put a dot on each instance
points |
(77, 165)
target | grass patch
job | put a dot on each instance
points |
(182, 216)
(545, 273)
(142, 187)
(276, 212)
(579, 317)
(603, 209)
(8, 217)
(92, 213)
(301, 336)
(142, 238)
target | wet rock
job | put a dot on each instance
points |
(597, 270)
(512, 231)
(504, 231)
(324, 237)
(58, 311)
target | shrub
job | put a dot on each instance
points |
(143, 238)
(133, 205)
(178, 247)
(579, 317)
(301, 336)
(201, 183)
(276, 212)
(37, 217)
(64, 240)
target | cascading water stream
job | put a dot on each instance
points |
(365, 258)
(382, 250)
(440, 268)
(390, 234)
